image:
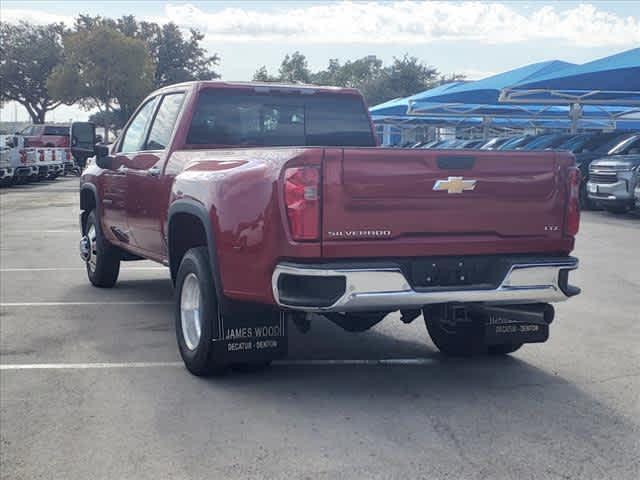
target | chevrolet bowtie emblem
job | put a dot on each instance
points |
(454, 185)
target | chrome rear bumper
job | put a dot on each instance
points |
(382, 289)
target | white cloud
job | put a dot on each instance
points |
(399, 22)
(411, 23)
(15, 15)
(476, 74)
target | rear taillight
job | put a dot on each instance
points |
(302, 201)
(573, 207)
(42, 155)
(23, 157)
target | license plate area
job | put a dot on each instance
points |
(471, 272)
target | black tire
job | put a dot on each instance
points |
(457, 340)
(199, 360)
(460, 339)
(103, 266)
(503, 349)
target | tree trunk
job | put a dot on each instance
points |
(106, 124)
(32, 113)
(40, 115)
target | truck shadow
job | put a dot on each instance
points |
(503, 416)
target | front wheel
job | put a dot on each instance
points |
(102, 259)
(196, 314)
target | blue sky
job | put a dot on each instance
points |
(474, 38)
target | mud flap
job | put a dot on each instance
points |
(251, 338)
(501, 330)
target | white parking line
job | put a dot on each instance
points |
(88, 366)
(373, 361)
(55, 269)
(59, 304)
(25, 232)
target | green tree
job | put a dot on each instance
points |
(103, 69)
(262, 75)
(405, 76)
(177, 58)
(452, 77)
(110, 120)
(352, 74)
(294, 69)
(28, 55)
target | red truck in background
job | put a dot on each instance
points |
(270, 202)
(46, 135)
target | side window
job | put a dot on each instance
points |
(134, 136)
(162, 128)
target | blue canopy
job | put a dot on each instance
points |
(516, 111)
(559, 123)
(611, 80)
(399, 106)
(487, 90)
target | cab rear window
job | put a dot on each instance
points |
(250, 118)
(58, 131)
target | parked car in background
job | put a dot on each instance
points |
(46, 135)
(588, 147)
(637, 191)
(613, 181)
(516, 143)
(23, 162)
(6, 170)
(472, 144)
(494, 143)
(430, 144)
(435, 144)
(448, 144)
(549, 141)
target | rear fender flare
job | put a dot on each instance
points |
(85, 208)
(198, 210)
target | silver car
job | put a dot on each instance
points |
(613, 182)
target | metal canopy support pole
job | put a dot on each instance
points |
(486, 125)
(575, 112)
(386, 134)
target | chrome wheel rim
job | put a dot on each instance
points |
(93, 249)
(190, 317)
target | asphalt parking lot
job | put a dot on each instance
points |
(91, 384)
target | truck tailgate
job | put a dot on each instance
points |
(483, 202)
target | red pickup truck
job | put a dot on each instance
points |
(52, 135)
(271, 202)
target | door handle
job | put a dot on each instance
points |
(122, 170)
(153, 171)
